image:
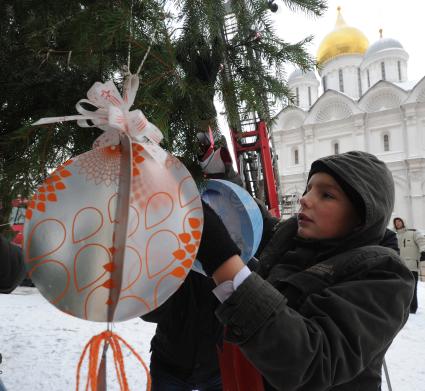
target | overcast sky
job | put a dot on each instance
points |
(402, 20)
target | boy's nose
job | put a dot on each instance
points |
(304, 201)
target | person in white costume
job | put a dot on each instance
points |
(412, 251)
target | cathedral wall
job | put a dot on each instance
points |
(363, 132)
(349, 66)
(287, 142)
(374, 73)
(391, 70)
(402, 207)
(326, 143)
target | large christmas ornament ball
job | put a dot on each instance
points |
(71, 227)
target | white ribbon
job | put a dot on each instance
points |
(112, 112)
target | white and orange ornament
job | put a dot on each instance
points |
(112, 233)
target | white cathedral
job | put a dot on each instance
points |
(367, 104)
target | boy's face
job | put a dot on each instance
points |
(325, 212)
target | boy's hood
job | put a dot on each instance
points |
(373, 181)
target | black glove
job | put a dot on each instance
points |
(216, 244)
(422, 256)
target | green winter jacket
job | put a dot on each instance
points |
(320, 315)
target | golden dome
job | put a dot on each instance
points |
(342, 40)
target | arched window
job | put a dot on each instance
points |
(296, 156)
(359, 81)
(368, 78)
(386, 140)
(336, 147)
(383, 70)
(341, 80)
(399, 70)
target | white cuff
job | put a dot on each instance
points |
(226, 288)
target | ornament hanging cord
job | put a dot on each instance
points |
(146, 54)
(130, 27)
(129, 45)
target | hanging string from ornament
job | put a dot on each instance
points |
(130, 27)
(147, 53)
(93, 347)
(152, 40)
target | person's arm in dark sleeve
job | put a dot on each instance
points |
(12, 270)
(390, 240)
(174, 303)
(157, 314)
(165, 309)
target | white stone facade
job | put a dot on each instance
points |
(386, 119)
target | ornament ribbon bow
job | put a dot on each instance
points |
(112, 112)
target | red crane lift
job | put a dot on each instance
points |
(260, 145)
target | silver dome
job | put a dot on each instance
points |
(298, 74)
(383, 44)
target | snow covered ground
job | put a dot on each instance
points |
(41, 346)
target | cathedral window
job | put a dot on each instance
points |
(336, 147)
(399, 70)
(325, 87)
(309, 96)
(359, 81)
(341, 81)
(297, 96)
(368, 78)
(296, 156)
(386, 140)
(383, 70)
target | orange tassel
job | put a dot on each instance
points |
(94, 345)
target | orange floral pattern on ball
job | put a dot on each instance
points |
(47, 191)
(101, 165)
(137, 150)
(186, 254)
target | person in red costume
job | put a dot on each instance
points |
(216, 163)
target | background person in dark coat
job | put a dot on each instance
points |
(327, 300)
(12, 271)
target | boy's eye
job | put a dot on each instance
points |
(328, 195)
